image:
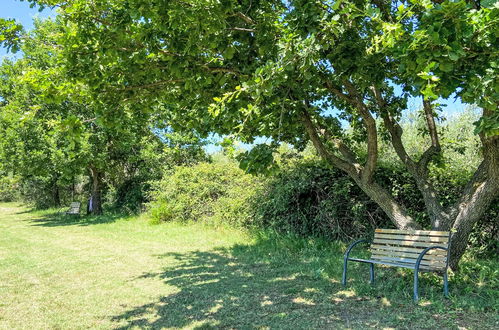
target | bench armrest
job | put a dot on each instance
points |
(347, 252)
(423, 253)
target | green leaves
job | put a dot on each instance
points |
(258, 160)
(10, 34)
(238, 69)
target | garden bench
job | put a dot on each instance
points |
(421, 250)
(74, 208)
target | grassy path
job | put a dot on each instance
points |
(111, 272)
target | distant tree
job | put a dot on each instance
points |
(50, 130)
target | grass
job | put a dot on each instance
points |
(121, 272)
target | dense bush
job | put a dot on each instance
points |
(309, 199)
(306, 198)
(216, 192)
(128, 187)
(9, 189)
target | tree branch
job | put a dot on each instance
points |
(245, 18)
(345, 151)
(220, 69)
(435, 148)
(372, 132)
(354, 99)
(150, 85)
(394, 129)
(321, 148)
(241, 29)
(384, 8)
(437, 215)
(396, 212)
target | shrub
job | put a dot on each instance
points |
(127, 197)
(9, 189)
(305, 198)
(309, 199)
(216, 192)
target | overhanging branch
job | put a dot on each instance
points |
(321, 148)
(354, 99)
(435, 148)
(372, 132)
(437, 215)
(245, 18)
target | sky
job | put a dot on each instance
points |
(22, 13)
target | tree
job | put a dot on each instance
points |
(292, 70)
(51, 132)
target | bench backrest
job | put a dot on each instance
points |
(74, 208)
(404, 246)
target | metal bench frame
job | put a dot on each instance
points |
(416, 266)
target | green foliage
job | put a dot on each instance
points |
(129, 187)
(217, 192)
(259, 159)
(100, 78)
(52, 132)
(307, 198)
(10, 34)
(10, 189)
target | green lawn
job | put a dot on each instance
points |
(115, 272)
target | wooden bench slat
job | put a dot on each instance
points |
(407, 249)
(423, 267)
(431, 239)
(413, 232)
(409, 261)
(405, 243)
(74, 208)
(404, 248)
(408, 255)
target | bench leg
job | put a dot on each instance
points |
(446, 285)
(344, 277)
(416, 285)
(371, 273)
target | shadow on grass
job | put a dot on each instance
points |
(26, 211)
(264, 286)
(61, 219)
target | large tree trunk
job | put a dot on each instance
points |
(477, 197)
(482, 189)
(396, 212)
(95, 206)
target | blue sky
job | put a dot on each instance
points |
(21, 12)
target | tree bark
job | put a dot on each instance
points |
(396, 212)
(95, 206)
(419, 170)
(477, 197)
(469, 214)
